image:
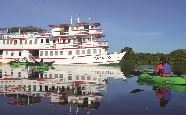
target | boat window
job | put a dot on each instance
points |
(21, 41)
(34, 87)
(99, 50)
(56, 75)
(94, 51)
(51, 53)
(70, 77)
(61, 75)
(1, 52)
(3, 41)
(88, 51)
(12, 53)
(19, 53)
(41, 40)
(11, 41)
(82, 77)
(69, 52)
(30, 42)
(64, 40)
(61, 52)
(54, 41)
(88, 78)
(46, 53)
(47, 40)
(1, 73)
(56, 53)
(45, 75)
(83, 51)
(15, 42)
(25, 41)
(29, 87)
(77, 52)
(68, 40)
(77, 77)
(41, 53)
(66, 29)
(7, 41)
(86, 26)
(50, 75)
(94, 79)
(35, 42)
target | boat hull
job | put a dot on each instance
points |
(179, 80)
(79, 60)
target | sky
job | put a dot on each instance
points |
(148, 26)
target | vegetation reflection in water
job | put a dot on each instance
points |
(163, 91)
(81, 87)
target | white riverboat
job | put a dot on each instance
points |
(70, 43)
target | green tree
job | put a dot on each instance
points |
(178, 56)
(128, 61)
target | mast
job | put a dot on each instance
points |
(71, 20)
(7, 30)
(28, 100)
(19, 31)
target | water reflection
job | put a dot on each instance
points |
(163, 91)
(76, 86)
(164, 95)
(22, 99)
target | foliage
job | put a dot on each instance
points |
(128, 61)
(176, 58)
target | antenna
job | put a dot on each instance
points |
(78, 20)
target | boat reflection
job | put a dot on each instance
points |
(80, 86)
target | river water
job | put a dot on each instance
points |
(95, 90)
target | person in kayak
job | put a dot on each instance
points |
(166, 69)
(159, 68)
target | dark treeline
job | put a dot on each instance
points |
(176, 58)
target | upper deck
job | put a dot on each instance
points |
(61, 36)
